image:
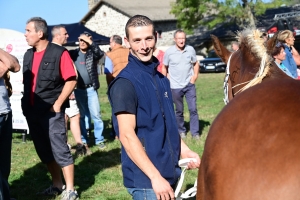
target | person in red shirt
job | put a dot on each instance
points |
(60, 37)
(49, 78)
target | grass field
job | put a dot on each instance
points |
(99, 175)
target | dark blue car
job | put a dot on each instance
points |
(212, 63)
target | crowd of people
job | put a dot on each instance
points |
(281, 49)
(61, 85)
(143, 85)
(292, 59)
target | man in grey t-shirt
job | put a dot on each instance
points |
(182, 68)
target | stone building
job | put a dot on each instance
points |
(108, 17)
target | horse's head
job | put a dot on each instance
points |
(246, 66)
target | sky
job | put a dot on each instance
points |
(15, 13)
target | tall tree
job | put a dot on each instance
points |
(191, 14)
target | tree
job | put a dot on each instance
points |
(191, 14)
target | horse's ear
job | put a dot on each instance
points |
(271, 43)
(220, 50)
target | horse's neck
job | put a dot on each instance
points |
(243, 69)
(275, 73)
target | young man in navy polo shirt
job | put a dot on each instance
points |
(144, 119)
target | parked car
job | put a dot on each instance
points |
(212, 63)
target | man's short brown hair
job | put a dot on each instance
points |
(138, 20)
(117, 39)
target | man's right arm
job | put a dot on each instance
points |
(136, 152)
(165, 66)
(108, 68)
(164, 70)
(8, 62)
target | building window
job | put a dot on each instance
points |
(104, 14)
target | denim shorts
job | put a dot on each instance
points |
(142, 194)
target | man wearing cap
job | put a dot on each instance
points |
(85, 59)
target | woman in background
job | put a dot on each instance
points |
(279, 55)
(287, 38)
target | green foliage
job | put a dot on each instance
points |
(191, 14)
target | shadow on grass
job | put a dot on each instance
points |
(202, 125)
(90, 166)
(37, 178)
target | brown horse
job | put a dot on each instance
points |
(245, 62)
(253, 146)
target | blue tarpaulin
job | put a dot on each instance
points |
(74, 30)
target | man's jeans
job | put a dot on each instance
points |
(190, 94)
(88, 102)
(140, 193)
(5, 153)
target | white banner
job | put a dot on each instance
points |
(14, 43)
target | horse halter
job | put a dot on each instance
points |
(225, 85)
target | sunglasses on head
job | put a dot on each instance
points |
(279, 44)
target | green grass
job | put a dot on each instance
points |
(99, 175)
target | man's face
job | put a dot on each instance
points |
(63, 36)
(141, 42)
(180, 40)
(234, 47)
(111, 43)
(32, 37)
(83, 45)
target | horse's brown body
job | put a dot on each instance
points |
(253, 146)
(252, 150)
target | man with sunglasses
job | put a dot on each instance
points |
(85, 59)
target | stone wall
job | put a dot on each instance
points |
(167, 31)
(108, 21)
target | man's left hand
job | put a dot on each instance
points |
(55, 108)
(191, 154)
(85, 38)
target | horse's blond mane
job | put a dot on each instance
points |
(252, 39)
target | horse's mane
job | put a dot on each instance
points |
(251, 38)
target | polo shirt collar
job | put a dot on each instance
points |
(179, 49)
(145, 66)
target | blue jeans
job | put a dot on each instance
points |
(88, 102)
(5, 154)
(140, 193)
(189, 92)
